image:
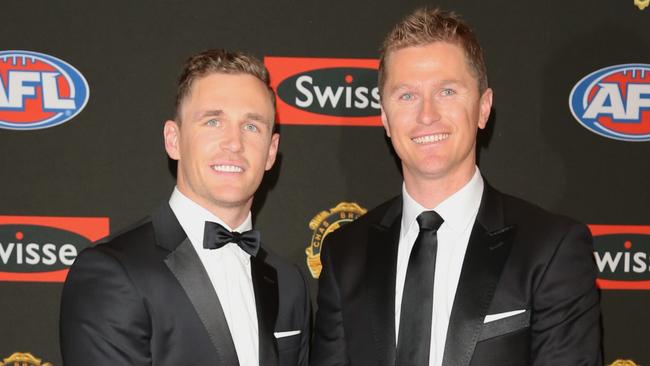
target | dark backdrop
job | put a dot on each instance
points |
(109, 160)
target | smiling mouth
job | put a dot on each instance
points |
(226, 168)
(428, 139)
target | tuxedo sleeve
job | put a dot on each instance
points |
(103, 320)
(566, 315)
(329, 339)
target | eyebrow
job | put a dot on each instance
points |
(451, 82)
(209, 113)
(256, 117)
(399, 87)
(219, 113)
(438, 83)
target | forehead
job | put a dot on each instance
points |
(228, 92)
(433, 60)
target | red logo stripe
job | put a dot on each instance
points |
(597, 230)
(93, 228)
(53, 276)
(622, 285)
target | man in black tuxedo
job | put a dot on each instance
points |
(451, 272)
(190, 285)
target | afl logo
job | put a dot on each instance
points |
(38, 91)
(614, 102)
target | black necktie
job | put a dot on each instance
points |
(215, 236)
(414, 337)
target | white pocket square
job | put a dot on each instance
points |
(288, 333)
(492, 317)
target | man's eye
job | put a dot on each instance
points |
(213, 122)
(250, 127)
(406, 96)
(447, 92)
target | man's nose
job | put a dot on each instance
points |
(429, 111)
(232, 139)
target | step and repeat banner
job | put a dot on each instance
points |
(85, 88)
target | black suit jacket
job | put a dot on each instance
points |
(144, 298)
(519, 257)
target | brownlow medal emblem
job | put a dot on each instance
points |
(23, 359)
(624, 363)
(325, 223)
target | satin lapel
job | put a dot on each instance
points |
(383, 241)
(487, 250)
(188, 270)
(265, 285)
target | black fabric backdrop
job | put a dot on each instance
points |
(109, 160)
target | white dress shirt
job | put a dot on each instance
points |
(229, 269)
(459, 213)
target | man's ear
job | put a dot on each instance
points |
(384, 120)
(273, 151)
(172, 134)
(485, 105)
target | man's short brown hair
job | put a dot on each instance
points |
(219, 61)
(425, 26)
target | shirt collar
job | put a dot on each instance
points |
(193, 216)
(457, 210)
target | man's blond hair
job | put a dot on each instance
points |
(425, 26)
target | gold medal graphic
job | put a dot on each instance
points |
(325, 223)
(23, 359)
(641, 4)
(620, 362)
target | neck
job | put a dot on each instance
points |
(232, 214)
(232, 217)
(431, 191)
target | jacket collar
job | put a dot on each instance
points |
(184, 263)
(487, 251)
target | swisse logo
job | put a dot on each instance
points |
(339, 91)
(614, 102)
(38, 91)
(41, 249)
(325, 91)
(622, 254)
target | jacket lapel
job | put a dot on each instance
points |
(381, 268)
(265, 285)
(186, 266)
(488, 248)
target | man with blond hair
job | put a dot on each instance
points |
(451, 272)
(191, 284)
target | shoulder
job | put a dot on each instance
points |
(130, 247)
(130, 239)
(528, 216)
(108, 264)
(540, 234)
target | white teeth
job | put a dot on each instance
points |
(228, 168)
(430, 138)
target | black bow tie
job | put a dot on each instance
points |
(215, 236)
